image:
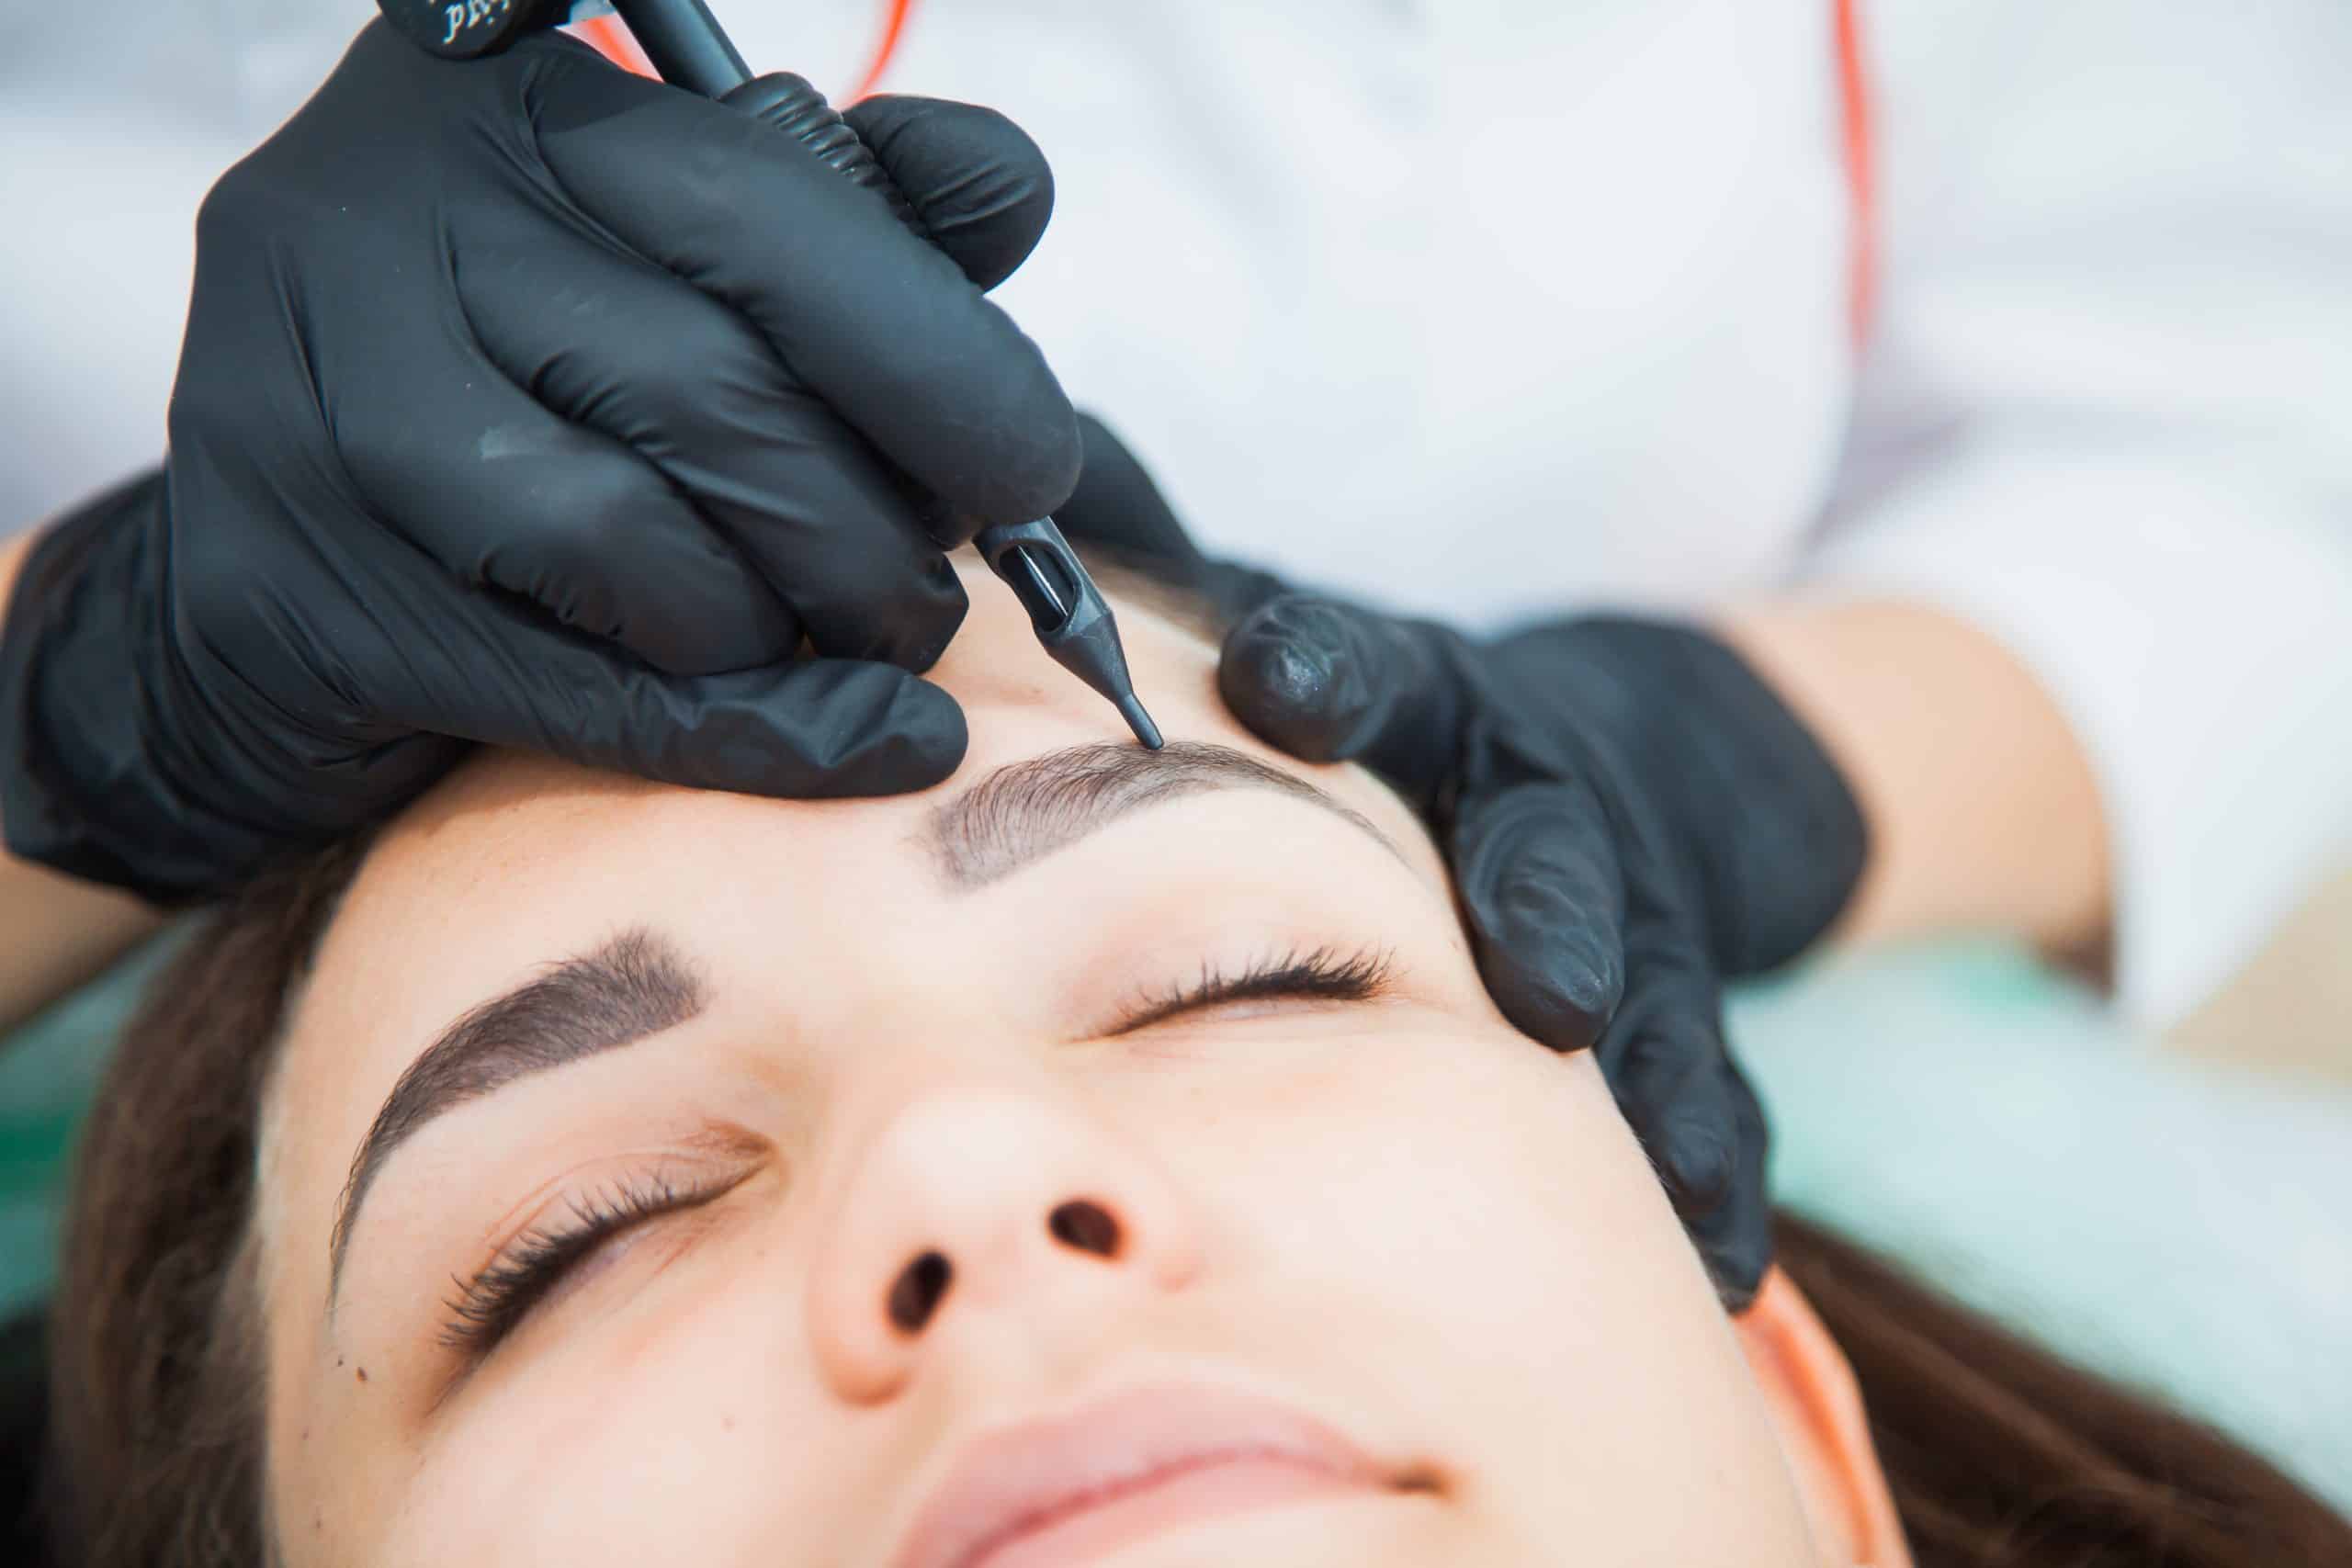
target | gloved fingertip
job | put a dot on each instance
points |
(1290, 673)
(1738, 1274)
(1695, 1157)
(918, 739)
(1734, 1232)
(1563, 1008)
(1545, 901)
(825, 729)
(979, 182)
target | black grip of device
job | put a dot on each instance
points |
(796, 108)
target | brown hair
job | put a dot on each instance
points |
(1998, 1453)
(155, 1363)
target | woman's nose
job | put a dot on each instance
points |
(972, 1202)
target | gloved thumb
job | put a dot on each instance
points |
(1330, 682)
(980, 185)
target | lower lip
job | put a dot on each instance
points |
(1182, 1499)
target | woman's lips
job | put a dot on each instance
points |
(1068, 1491)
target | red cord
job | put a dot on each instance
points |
(612, 40)
(609, 39)
(1861, 166)
(893, 25)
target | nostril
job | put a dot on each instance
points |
(1086, 1225)
(917, 1293)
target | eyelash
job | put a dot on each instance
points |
(1322, 974)
(493, 1303)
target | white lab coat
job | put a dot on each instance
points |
(1500, 307)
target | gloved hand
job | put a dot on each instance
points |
(530, 402)
(1631, 816)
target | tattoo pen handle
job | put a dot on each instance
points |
(1068, 612)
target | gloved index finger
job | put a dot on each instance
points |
(881, 325)
(1536, 867)
(1668, 1062)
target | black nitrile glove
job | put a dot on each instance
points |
(1631, 814)
(526, 401)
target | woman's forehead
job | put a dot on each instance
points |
(506, 815)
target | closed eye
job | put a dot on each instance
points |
(1321, 974)
(489, 1307)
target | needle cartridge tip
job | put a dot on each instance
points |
(1130, 709)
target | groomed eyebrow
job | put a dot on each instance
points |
(1024, 812)
(633, 987)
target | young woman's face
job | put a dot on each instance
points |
(954, 1222)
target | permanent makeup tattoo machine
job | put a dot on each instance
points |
(687, 49)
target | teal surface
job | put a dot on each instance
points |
(46, 1071)
(1960, 1108)
(2176, 1225)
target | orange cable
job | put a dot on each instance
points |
(611, 39)
(893, 24)
(1861, 169)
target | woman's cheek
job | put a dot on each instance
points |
(592, 1461)
(1345, 1157)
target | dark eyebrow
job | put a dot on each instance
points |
(1024, 812)
(635, 986)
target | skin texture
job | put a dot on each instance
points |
(1395, 1214)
